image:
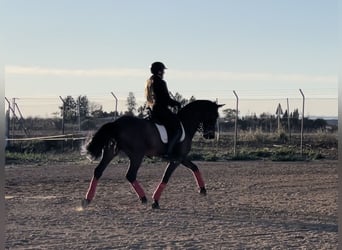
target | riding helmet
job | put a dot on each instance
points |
(156, 67)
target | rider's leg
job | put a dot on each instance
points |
(173, 127)
(173, 141)
(174, 132)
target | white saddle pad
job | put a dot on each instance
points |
(163, 133)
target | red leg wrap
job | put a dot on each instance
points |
(92, 188)
(199, 179)
(159, 190)
(138, 189)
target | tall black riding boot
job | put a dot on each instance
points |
(172, 142)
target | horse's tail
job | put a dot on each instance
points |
(101, 139)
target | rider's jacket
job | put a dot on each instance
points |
(157, 93)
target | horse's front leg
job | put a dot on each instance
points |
(108, 155)
(197, 174)
(166, 176)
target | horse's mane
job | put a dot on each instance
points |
(197, 105)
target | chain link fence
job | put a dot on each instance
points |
(37, 124)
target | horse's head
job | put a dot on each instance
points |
(209, 119)
(201, 115)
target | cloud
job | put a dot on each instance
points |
(182, 74)
(254, 76)
(40, 71)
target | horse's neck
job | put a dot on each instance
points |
(190, 124)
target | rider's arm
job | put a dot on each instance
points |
(162, 95)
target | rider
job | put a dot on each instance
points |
(159, 100)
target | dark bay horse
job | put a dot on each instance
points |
(139, 137)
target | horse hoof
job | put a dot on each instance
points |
(155, 205)
(203, 191)
(143, 200)
(85, 203)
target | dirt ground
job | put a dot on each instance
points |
(249, 205)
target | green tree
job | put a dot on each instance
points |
(131, 104)
(295, 122)
(229, 114)
(319, 124)
(295, 115)
(178, 97)
(95, 110)
(192, 98)
(84, 106)
(183, 101)
(69, 109)
(141, 111)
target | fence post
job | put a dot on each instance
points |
(8, 118)
(79, 112)
(8, 122)
(288, 119)
(116, 105)
(218, 126)
(63, 114)
(302, 125)
(236, 120)
(13, 117)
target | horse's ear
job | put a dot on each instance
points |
(220, 105)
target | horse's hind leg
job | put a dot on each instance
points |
(197, 174)
(131, 176)
(108, 155)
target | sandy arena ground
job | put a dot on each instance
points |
(250, 205)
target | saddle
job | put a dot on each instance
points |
(163, 133)
(161, 128)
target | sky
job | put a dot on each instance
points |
(264, 50)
